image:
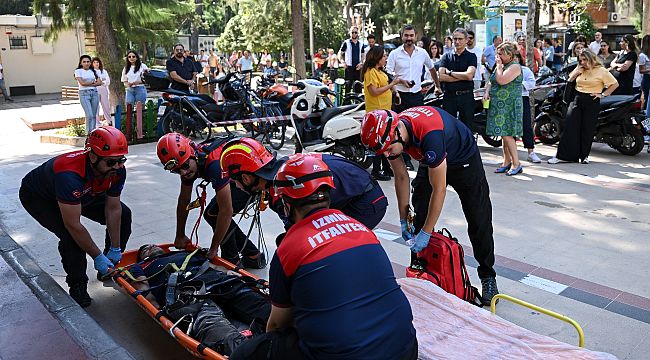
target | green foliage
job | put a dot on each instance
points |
(585, 26)
(76, 127)
(15, 7)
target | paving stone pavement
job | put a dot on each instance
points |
(569, 237)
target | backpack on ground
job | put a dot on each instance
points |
(443, 263)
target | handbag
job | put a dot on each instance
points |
(569, 92)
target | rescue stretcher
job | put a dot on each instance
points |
(196, 348)
(447, 327)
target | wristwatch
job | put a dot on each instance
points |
(603, 95)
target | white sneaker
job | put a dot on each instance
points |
(532, 157)
(555, 160)
(585, 160)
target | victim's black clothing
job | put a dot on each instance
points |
(579, 128)
(468, 180)
(73, 258)
(235, 239)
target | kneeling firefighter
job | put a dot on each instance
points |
(181, 156)
(355, 193)
(332, 288)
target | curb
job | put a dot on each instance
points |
(83, 329)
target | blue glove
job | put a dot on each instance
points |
(421, 241)
(407, 231)
(114, 255)
(102, 264)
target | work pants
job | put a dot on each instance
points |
(73, 258)
(469, 182)
(460, 105)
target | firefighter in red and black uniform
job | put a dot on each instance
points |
(84, 183)
(181, 156)
(331, 284)
(356, 193)
(448, 155)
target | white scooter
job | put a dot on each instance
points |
(321, 127)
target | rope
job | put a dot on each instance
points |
(199, 202)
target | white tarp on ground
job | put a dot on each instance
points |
(450, 328)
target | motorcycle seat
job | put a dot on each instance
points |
(617, 100)
(329, 113)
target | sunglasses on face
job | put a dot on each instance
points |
(131, 57)
(355, 32)
(113, 162)
(602, 46)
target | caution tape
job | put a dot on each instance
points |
(546, 86)
(254, 120)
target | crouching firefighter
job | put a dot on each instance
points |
(332, 288)
(84, 183)
(355, 193)
(219, 310)
(181, 156)
(448, 155)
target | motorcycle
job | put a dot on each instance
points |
(321, 127)
(619, 124)
(269, 90)
(194, 114)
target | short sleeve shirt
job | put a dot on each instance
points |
(435, 135)
(86, 76)
(594, 80)
(69, 179)
(626, 78)
(334, 274)
(459, 63)
(557, 59)
(379, 79)
(490, 55)
(183, 69)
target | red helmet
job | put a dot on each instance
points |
(301, 175)
(173, 150)
(107, 141)
(244, 154)
(377, 130)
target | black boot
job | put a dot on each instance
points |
(489, 290)
(79, 292)
(258, 263)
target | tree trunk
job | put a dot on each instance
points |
(108, 50)
(530, 45)
(298, 32)
(196, 25)
(379, 30)
(646, 17)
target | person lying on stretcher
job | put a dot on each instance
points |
(222, 311)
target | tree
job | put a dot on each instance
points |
(646, 17)
(298, 36)
(114, 24)
(15, 7)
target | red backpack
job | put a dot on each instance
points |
(443, 263)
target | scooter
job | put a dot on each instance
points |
(321, 127)
(620, 121)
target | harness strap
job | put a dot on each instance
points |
(297, 183)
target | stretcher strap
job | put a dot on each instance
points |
(125, 271)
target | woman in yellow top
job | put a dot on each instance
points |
(593, 82)
(378, 96)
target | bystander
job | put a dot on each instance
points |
(351, 56)
(5, 94)
(181, 69)
(457, 73)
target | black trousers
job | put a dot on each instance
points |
(235, 240)
(579, 128)
(351, 75)
(460, 106)
(283, 345)
(529, 137)
(368, 208)
(408, 100)
(379, 163)
(474, 192)
(73, 258)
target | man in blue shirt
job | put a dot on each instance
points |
(558, 55)
(181, 69)
(490, 52)
(332, 288)
(84, 183)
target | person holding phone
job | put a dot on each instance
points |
(593, 82)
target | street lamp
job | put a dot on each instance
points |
(364, 10)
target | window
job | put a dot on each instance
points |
(18, 42)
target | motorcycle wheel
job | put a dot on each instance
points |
(494, 141)
(169, 125)
(275, 135)
(547, 131)
(632, 143)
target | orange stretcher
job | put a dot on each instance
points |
(196, 348)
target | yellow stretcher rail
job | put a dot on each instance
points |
(581, 334)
